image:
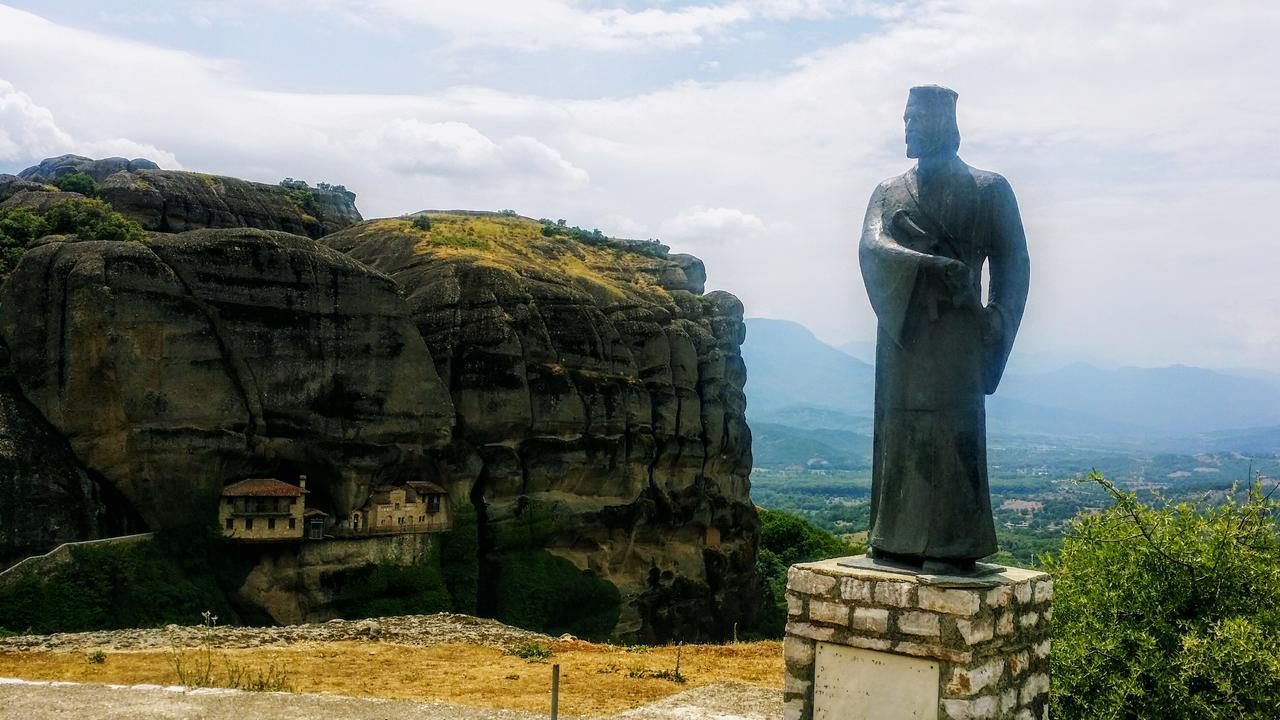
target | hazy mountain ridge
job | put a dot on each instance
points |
(797, 380)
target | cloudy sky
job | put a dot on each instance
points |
(1142, 138)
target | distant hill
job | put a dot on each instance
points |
(780, 446)
(1171, 400)
(795, 379)
(787, 365)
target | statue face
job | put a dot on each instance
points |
(926, 128)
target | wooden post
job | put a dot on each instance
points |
(555, 691)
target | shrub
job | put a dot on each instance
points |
(79, 183)
(422, 222)
(538, 590)
(169, 579)
(530, 650)
(388, 589)
(785, 540)
(1170, 611)
(459, 559)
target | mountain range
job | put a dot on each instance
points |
(796, 381)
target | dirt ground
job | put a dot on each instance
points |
(595, 679)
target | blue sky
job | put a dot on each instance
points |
(1140, 137)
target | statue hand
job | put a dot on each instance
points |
(957, 276)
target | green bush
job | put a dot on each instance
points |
(1170, 611)
(87, 219)
(388, 589)
(538, 590)
(422, 222)
(170, 579)
(79, 183)
(459, 560)
(784, 541)
(530, 650)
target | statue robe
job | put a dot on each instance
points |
(938, 355)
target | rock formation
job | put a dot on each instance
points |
(175, 365)
(46, 498)
(175, 201)
(596, 382)
(51, 169)
(579, 396)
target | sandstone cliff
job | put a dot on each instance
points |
(598, 397)
(177, 364)
(580, 397)
(175, 201)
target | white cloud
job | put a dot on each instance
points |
(1135, 135)
(456, 150)
(27, 130)
(29, 133)
(712, 224)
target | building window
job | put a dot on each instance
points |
(231, 524)
(271, 523)
(397, 506)
(317, 529)
(433, 504)
(293, 523)
(248, 523)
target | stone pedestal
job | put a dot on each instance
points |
(866, 644)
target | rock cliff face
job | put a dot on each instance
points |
(596, 390)
(177, 364)
(175, 201)
(45, 497)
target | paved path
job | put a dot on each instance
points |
(43, 700)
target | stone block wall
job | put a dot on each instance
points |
(989, 635)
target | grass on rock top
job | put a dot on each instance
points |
(516, 245)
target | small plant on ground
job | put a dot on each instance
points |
(196, 668)
(97, 657)
(530, 650)
(422, 222)
(672, 674)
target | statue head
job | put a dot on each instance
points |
(930, 119)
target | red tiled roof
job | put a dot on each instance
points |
(262, 487)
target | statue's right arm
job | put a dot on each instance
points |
(889, 269)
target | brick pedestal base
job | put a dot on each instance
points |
(864, 644)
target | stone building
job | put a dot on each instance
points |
(414, 507)
(263, 509)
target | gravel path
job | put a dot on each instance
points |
(437, 629)
(34, 700)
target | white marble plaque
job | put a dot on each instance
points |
(857, 684)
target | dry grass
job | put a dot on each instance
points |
(594, 679)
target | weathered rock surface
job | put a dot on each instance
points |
(176, 201)
(297, 583)
(37, 201)
(51, 169)
(45, 496)
(174, 365)
(595, 383)
(10, 185)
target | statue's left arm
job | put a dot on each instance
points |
(1010, 268)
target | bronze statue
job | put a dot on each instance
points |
(939, 349)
